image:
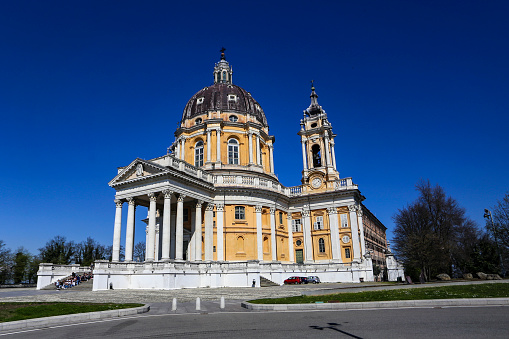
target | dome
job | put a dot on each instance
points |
(224, 97)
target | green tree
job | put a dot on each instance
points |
(427, 231)
(58, 251)
(5, 263)
(21, 264)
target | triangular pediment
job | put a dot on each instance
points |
(139, 169)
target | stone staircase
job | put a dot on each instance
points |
(264, 282)
(83, 286)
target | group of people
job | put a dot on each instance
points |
(72, 280)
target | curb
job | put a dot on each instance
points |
(378, 304)
(70, 318)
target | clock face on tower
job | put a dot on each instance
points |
(316, 182)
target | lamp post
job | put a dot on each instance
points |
(489, 217)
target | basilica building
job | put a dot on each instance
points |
(218, 215)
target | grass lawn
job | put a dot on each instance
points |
(22, 311)
(442, 292)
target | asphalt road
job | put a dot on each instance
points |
(456, 322)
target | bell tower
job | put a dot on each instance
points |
(318, 157)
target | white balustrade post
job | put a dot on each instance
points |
(179, 236)
(117, 230)
(273, 243)
(129, 235)
(166, 225)
(259, 236)
(151, 227)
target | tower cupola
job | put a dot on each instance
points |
(222, 70)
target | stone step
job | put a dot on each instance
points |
(264, 282)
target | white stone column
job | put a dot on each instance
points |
(323, 159)
(360, 212)
(209, 146)
(334, 234)
(218, 145)
(129, 235)
(151, 227)
(250, 147)
(273, 243)
(333, 155)
(177, 149)
(304, 162)
(183, 149)
(258, 153)
(165, 255)
(327, 153)
(198, 232)
(117, 230)
(271, 158)
(179, 236)
(259, 235)
(209, 232)
(219, 232)
(190, 246)
(291, 254)
(355, 232)
(308, 241)
(173, 226)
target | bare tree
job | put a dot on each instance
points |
(427, 232)
(500, 227)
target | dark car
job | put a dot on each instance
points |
(292, 280)
(303, 280)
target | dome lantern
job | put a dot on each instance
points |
(222, 70)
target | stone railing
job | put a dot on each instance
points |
(240, 180)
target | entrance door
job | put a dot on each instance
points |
(299, 256)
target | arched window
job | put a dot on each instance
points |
(317, 156)
(198, 154)
(233, 152)
(224, 76)
(321, 245)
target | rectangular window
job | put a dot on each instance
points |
(344, 220)
(296, 225)
(347, 253)
(240, 213)
(186, 214)
(318, 225)
(281, 218)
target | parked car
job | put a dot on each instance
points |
(292, 280)
(303, 280)
(313, 279)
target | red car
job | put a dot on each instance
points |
(293, 280)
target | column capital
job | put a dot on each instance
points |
(289, 216)
(199, 203)
(353, 208)
(360, 212)
(210, 207)
(305, 213)
(220, 207)
(131, 201)
(181, 198)
(119, 203)
(272, 210)
(258, 208)
(332, 210)
(152, 196)
(167, 194)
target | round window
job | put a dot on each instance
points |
(198, 121)
(298, 242)
(233, 118)
(314, 125)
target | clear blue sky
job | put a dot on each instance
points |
(414, 89)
